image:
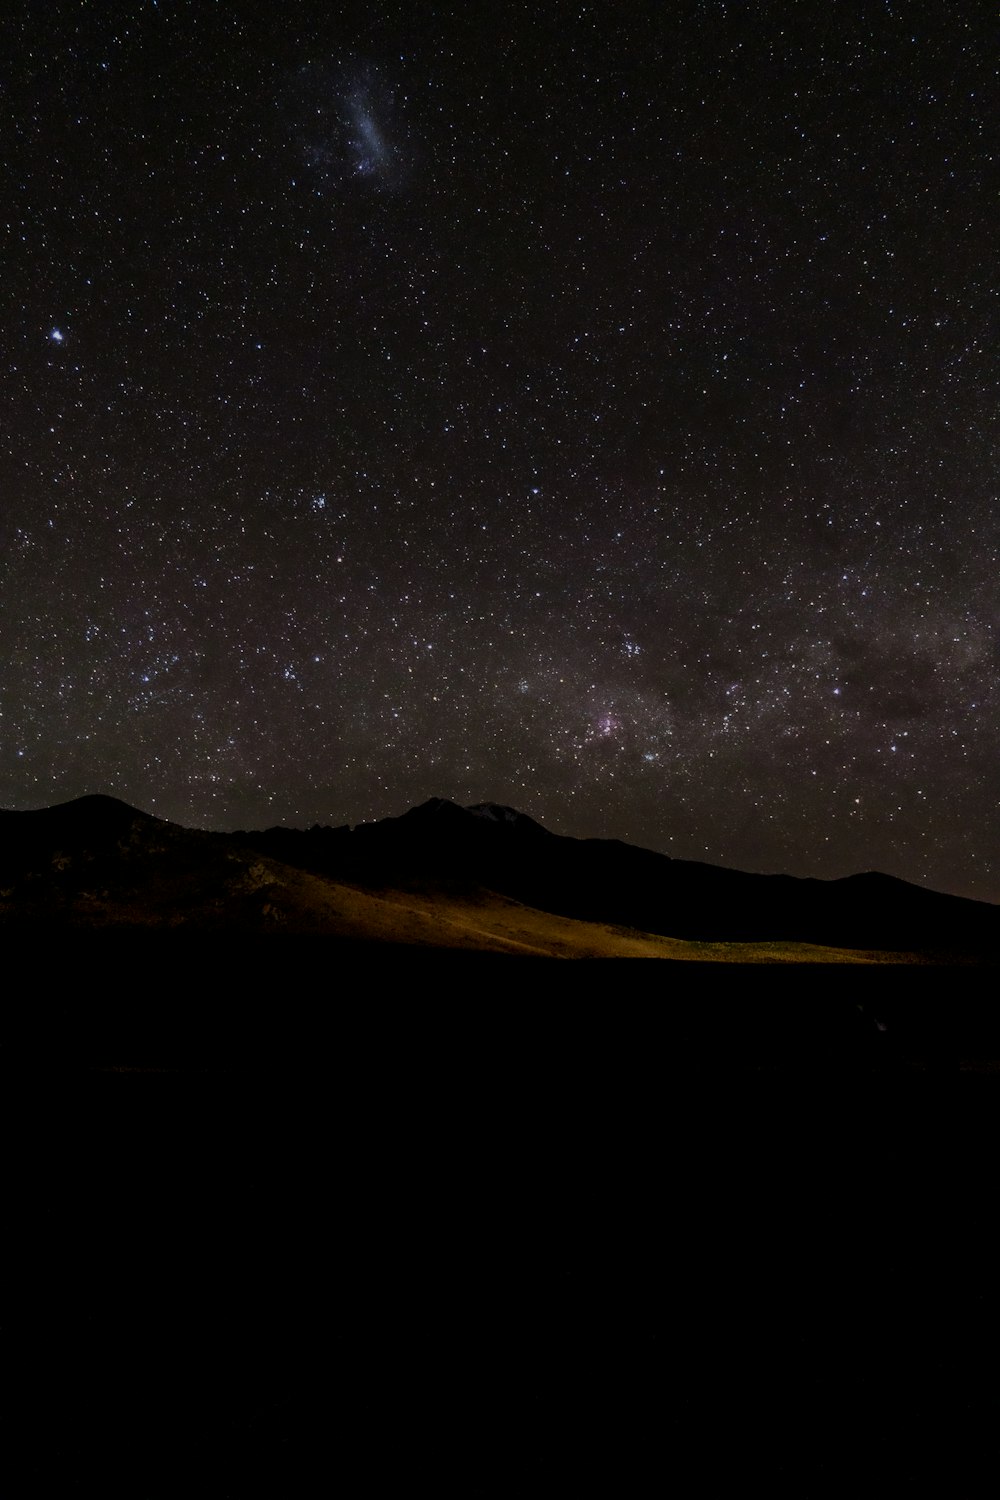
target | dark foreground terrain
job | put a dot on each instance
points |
(320, 1180)
(290, 1219)
(285, 1004)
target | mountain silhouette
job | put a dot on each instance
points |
(485, 877)
(606, 880)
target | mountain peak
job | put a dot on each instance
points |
(440, 810)
(498, 812)
(93, 811)
(434, 807)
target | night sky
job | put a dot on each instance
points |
(592, 408)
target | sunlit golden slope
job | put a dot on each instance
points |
(246, 894)
(491, 923)
(163, 879)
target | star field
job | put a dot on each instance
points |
(591, 408)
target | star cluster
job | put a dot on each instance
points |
(589, 408)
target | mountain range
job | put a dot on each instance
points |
(445, 878)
